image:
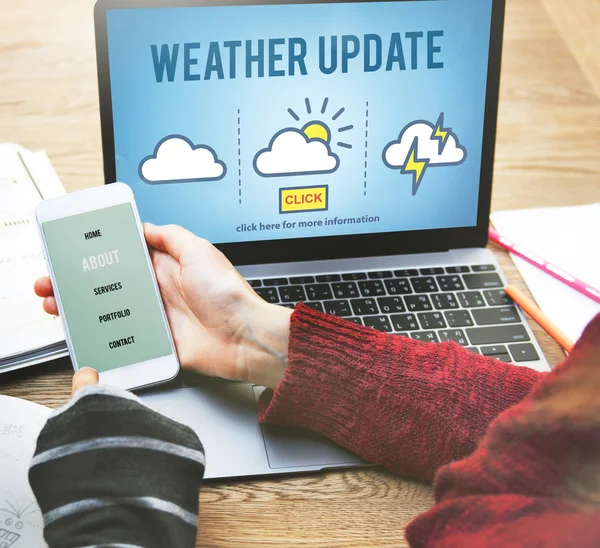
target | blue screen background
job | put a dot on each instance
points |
(206, 112)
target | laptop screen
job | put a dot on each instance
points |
(267, 122)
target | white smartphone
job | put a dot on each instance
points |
(105, 287)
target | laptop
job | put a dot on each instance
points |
(339, 153)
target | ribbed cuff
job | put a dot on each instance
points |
(329, 361)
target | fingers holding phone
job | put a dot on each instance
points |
(43, 288)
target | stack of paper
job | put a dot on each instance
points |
(568, 238)
(27, 334)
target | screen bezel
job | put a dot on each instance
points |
(136, 375)
(326, 247)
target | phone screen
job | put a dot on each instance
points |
(111, 308)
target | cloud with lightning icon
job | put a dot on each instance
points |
(423, 145)
(306, 150)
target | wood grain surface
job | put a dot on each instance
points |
(548, 154)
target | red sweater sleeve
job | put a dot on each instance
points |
(534, 478)
(408, 405)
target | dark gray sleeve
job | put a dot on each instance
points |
(108, 470)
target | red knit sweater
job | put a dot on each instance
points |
(515, 453)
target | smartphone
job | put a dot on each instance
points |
(105, 287)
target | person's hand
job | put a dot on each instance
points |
(220, 326)
(86, 376)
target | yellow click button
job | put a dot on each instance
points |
(307, 198)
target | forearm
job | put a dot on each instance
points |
(109, 470)
(264, 342)
(410, 406)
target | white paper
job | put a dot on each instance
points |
(21, 523)
(567, 237)
(23, 323)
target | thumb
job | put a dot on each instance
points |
(171, 239)
(84, 377)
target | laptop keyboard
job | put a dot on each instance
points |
(464, 304)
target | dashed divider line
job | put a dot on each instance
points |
(239, 142)
(366, 143)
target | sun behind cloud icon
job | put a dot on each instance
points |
(292, 152)
(177, 160)
(301, 151)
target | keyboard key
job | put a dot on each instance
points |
(380, 274)
(501, 357)
(357, 321)
(431, 320)
(371, 289)
(381, 323)
(254, 283)
(406, 272)
(458, 318)
(363, 307)
(497, 334)
(389, 305)
(471, 299)
(338, 308)
(269, 294)
(457, 269)
(417, 303)
(292, 294)
(275, 281)
(456, 335)
(490, 316)
(494, 350)
(443, 301)
(302, 280)
(425, 336)
(431, 271)
(482, 281)
(289, 305)
(399, 286)
(483, 267)
(450, 283)
(328, 278)
(346, 290)
(523, 352)
(354, 276)
(404, 322)
(316, 306)
(473, 349)
(424, 285)
(497, 297)
(318, 292)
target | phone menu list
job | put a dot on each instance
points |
(113, 313)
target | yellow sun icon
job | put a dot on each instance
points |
(317, 130)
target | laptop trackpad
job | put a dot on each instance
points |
(295, 448)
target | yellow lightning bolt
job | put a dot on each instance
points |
(442, 134)
(415, 166)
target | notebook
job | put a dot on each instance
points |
(567, 237)
(21, 523)
(27, 334)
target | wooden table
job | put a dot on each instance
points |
(548, 155)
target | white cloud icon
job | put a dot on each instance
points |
(177, 160)
(291, 152)
(395, 153)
